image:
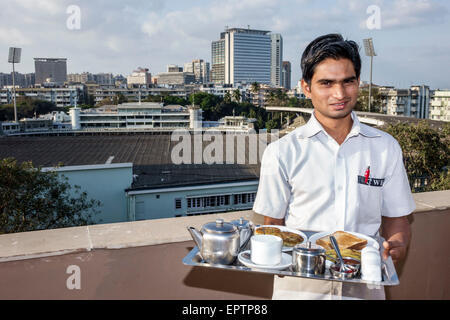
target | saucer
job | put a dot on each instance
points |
(286, 261)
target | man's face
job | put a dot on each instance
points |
(333, 89)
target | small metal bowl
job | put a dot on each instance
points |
(353, 262)
(336, 273)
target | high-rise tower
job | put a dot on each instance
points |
(241, 55)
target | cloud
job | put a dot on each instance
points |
(13, 37)
(51, 7)
(412, 13)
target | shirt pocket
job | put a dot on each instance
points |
(369, 203)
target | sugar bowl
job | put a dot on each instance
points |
(308, 258)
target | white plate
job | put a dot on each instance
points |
(284, 228)
(286, 261)
(370, 241)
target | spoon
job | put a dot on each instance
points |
(343, 267)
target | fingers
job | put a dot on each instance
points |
(394, 249)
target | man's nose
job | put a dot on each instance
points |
(339, 91)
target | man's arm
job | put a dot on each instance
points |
(397, 233)
(273, 221)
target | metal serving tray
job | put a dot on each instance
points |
(389, 275)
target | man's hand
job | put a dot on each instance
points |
(395, 249)
(397, 233)
(273, 221)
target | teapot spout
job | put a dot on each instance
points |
(196, 236)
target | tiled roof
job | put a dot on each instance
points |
(150, 155)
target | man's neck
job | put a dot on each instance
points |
(336, 128)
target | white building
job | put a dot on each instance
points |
(440, 105)
(140, 76)
(395, 102)
(413, 102)
(200, 69)
(145, 115)
(134, 93)
(221, 90)
(61, 97)
(175, 78)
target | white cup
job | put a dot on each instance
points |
(266, 249)
(370, 264)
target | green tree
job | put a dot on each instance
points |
(237, 95)
(272, 124)
(362, 103)
(105, 102)
(426, 152)
(31, 199)
(254, 87)
(119, 99)
(27, 107)
(227, 97)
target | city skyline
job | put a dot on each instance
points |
(411, 43)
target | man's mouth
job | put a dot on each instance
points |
(339, 105)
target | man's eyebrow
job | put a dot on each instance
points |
(350, 78)
(333, 81)
(325, 80)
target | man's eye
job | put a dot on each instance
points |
(326, 83)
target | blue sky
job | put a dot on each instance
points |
(413, 42)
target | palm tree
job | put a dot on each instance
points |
(255, 87)
(237, 95)
(227, 97)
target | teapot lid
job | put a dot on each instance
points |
(241, 223)
(219, 226)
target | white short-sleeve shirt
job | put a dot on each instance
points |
(316, 184)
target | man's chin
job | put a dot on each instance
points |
(339, 114)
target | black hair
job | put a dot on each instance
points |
(329, 46)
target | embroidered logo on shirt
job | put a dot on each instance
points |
(367, 180)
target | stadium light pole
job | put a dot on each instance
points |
(370, 52)
(14, 57)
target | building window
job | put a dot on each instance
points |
(244, 198)
(178, 203)
(208, 202)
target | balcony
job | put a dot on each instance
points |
(142, 260)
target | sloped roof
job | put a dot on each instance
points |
(150, 155)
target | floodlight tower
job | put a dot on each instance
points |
(370, 52)
(14, 57)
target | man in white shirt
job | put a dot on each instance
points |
(335, 173)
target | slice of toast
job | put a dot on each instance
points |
(344, 239)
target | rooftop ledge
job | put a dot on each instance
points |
(132, 259)
(38, 244)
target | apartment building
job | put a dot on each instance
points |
(413, 102)
(440, 105)
(61, 97)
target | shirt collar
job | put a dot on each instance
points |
(313, 127)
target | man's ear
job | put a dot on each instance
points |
(306, 89)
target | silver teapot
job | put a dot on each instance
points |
(218, 242)
(246, 229)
